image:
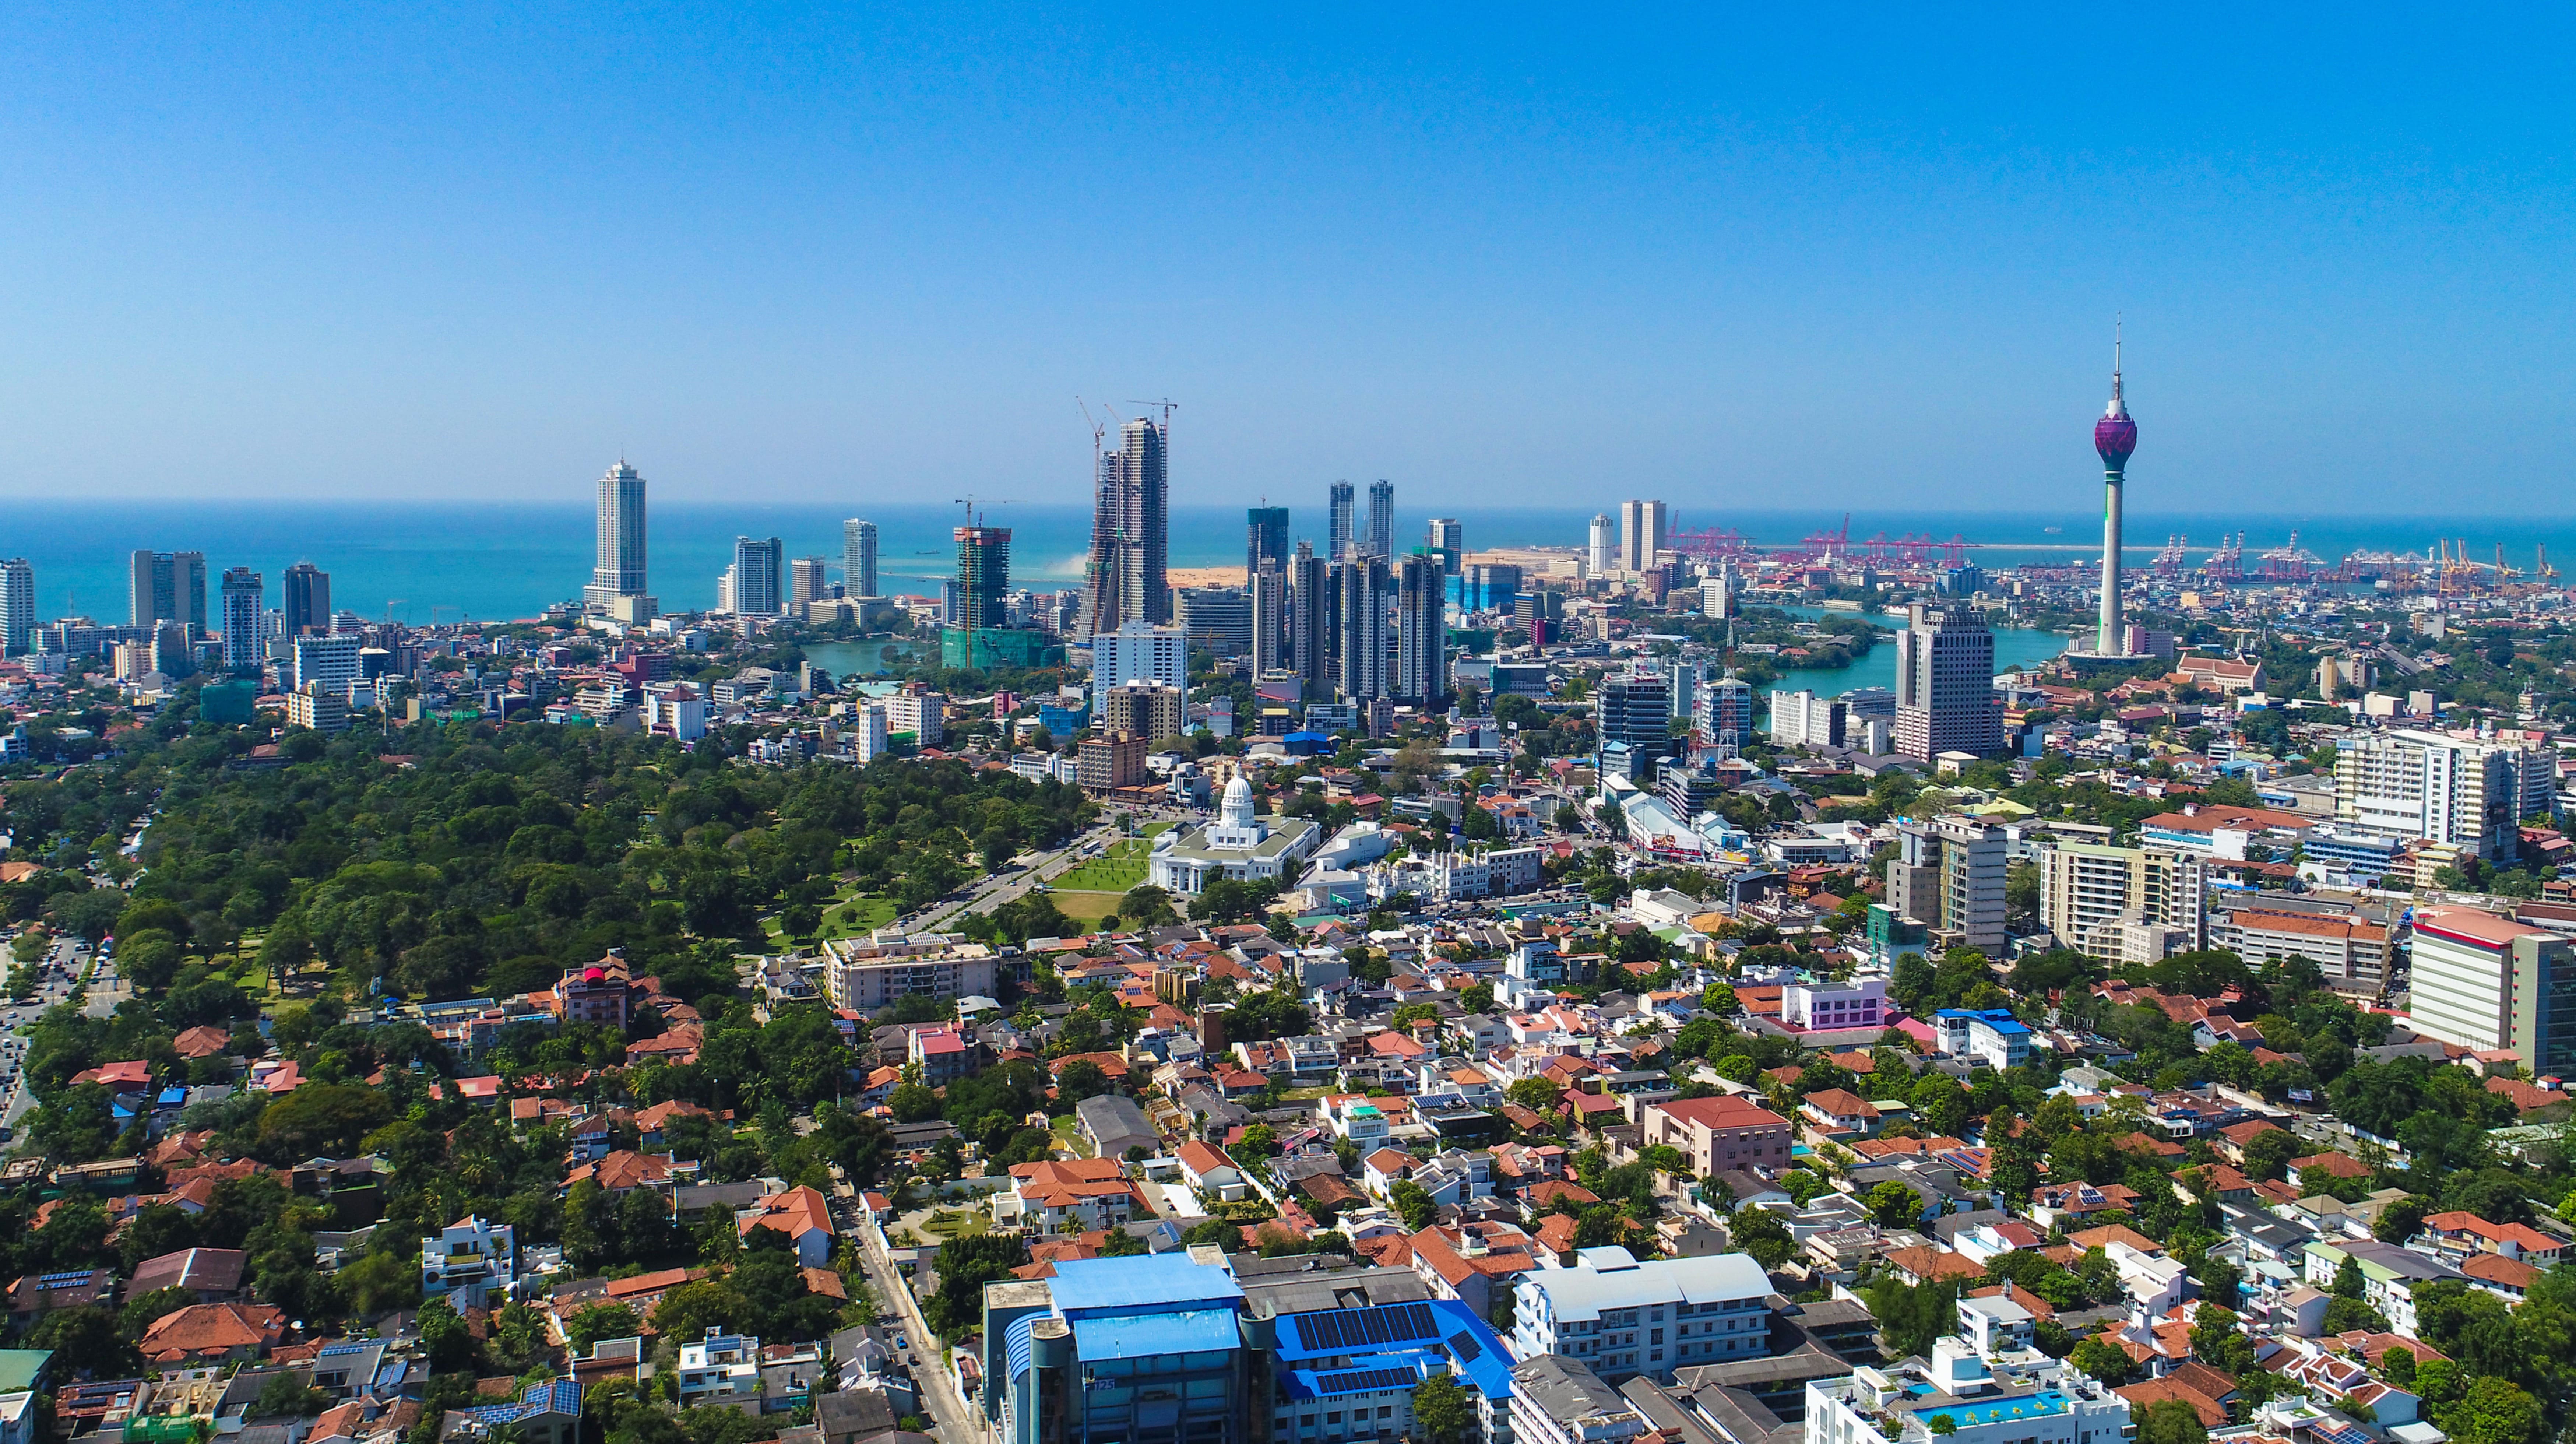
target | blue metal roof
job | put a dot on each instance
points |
(1145, 1336)
(1455, 1339)
(1138, 1282)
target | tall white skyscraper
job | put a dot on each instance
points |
(1605, 544)
(245, 620)
(17, 605)
(330, 661)
(859, 557)
(617, 586)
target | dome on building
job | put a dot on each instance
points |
(1236, 810)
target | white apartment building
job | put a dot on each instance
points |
(331, 661)
(1621, 1317)
(676, 710)
(1804, 719)
(1141, 652)
(1958, 1399)
(2087, 893)
(2407, 784)
(2351, 953)
(470, 1262)
(871, 732)
(2486, 982)
(1945, 683)
(923, 714)
(868, 974)
(718, 1367)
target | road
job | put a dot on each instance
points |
(993, 892)
(954, 1422)
(57, 973)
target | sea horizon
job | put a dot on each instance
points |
(487, 560)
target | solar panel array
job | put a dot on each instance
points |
(1465, 1347)
(1363, 1381)
(56, 1281)
(332, 1349)
(1339, 1329)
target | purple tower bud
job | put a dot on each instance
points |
(2115, 435)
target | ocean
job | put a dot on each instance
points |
(497, 561)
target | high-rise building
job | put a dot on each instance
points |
(807, 581)
(169, 587)
(1725, 715)
(1140, 652)
(1270, 650)
(17, 605)
(1128, 575)
(983, 577)
(1310, 611)
(1381, 519)
(1603, 551)
(1265, 538)
(859, 558)
(1642, 526)
(329, 662)
(759, 569)
(1155, 711)
(307, 600)
(2485, 982)
(1948, 876)
(1361, 647)
(617, 586)
(1489, 586)
(1449, 539)
(1635, 710)
(245, 624)
(2406, 785)
(2115, 436)
(1945, 683)
(1149, 1347)
(1421, 632)
(1341, 535)
(2101, 901)
(1219, 619)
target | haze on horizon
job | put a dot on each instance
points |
(1737, 259)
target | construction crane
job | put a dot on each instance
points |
(2540, 566)
(390, 604)
(968, 501)
(1168, 408)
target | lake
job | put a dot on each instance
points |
(2015, 647)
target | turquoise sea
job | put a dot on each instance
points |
(488, 561)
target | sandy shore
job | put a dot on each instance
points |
(1206, 576)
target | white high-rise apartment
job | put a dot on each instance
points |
(859, 557)
(1945, 683)
(617, 583)
(2089, 895)
(2486, 982)
(17, 605)
(331, 661)
(872, 732)
(1140, 652)
(245, 619)
(2407, 784)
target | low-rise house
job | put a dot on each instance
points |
(802, 1215)
(213, 1333)
(1210, 1174)
(469, 1262)
(1083, 1195)
(719, 1367)
(212, 1274)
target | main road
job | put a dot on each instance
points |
(957, 1423)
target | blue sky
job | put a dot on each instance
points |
(1731, 258)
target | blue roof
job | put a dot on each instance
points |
(1138, 1282)
(1145, 1336)
(1434, 1333)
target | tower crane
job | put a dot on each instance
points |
(390, 604)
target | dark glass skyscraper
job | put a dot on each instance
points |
(1337, 542)
(1265, 539)
(983, 577)
(308, 600)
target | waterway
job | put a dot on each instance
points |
(855, 659)
(2015, 647)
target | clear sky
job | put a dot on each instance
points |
(1545, 257)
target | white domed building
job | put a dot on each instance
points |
(1238, 845)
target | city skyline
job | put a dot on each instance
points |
(286, 261)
